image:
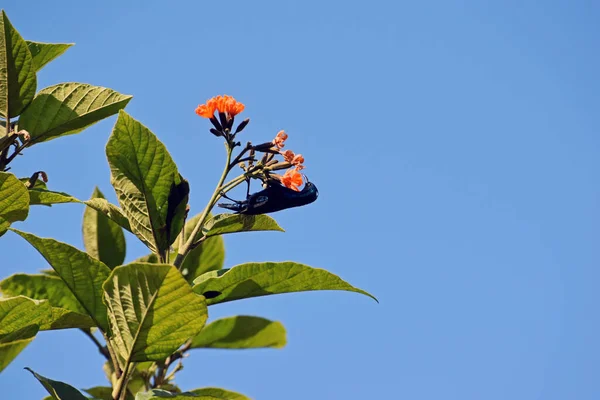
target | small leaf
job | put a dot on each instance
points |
(209, 255)
(241, 332)
(43, 53)
(110, 210)
(231, 223)
(82, 274)
(17, 74)
(58, 390)
(103, 238)
(68, 108)
(100, 392)
(262, 279)
(45, 197)
(14, 201)
(152, 311)
(219, 393)
(157, 394)
(149, 188)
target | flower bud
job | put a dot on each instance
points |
(242, 125)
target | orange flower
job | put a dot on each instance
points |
(207, 110)
(280, 139)
(224, 104)
(229, 105)
(288, 155)
(292, 179)
(294, 159)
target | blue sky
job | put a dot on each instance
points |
(455, 147)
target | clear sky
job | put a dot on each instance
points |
(455, 147)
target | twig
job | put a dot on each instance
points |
(102, 349)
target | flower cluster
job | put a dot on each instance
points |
(224, 104)
(227, 108)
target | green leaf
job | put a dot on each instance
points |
(262, 279)
(82, 274)
(43, 53)
(113, 212)
(14, 201)
(17, 73)
(209, 255)
(61, 318)
(152, 311)
(241, 332)
(58, 390)
(103, 238)
(231, 223)
(20, 318)
(42, 287)
(157, 394)
(45, 197)
(25, 311)
(19, 312)
(150, 190)
(219, 393)
(100, 392)
(68, 108)
(11, 345)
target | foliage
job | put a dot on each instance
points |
(144, 316)
(30, 118)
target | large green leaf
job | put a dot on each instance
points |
(151, 192)
(42, 287)
(152, 311)
(11, 345)
(158, 394)
(14, 201)
(241, 332)
(68, 108)
(103, 238)
(209, 255)
(84, 275)
(262, 279)
(58, 390)
(219, 393)
(17, 74)
(231, 223)
(43, 53)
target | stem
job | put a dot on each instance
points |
(113, 357)
(122, 383)
(161, 374)
(183, 250)
(103, 350)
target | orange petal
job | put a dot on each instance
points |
(207, 110)
(280, 139)
(288, 155)
(292, 179)
(297, 159)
